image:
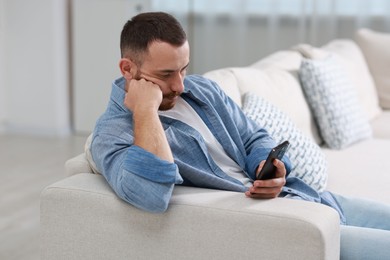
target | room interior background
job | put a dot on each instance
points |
(59, 57)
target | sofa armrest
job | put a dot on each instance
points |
(81, 218)
(77, 164)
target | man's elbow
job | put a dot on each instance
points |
(146, 203)
(153, 198)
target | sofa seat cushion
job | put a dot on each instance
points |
(334, 102)
(375, 47)
(361, 170)
(381, 125)
(308, 161)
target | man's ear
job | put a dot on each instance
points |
(127, 68)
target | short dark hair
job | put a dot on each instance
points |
(145, 28)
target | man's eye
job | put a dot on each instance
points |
(165, 76)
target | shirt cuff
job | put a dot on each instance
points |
(149, 166)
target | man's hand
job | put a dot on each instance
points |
(143, 98)
(142, 95)
(268, 189)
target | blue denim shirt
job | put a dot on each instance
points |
(146, 181)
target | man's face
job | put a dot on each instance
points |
(166, 66)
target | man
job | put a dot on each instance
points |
(163, 128)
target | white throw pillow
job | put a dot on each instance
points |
(334, 102)
(375, 47)
(351, 59)
(308, 161)
(88, 154)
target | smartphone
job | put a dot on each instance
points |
(268, 171)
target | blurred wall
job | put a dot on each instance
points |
(34, 67)
(2, 92)
(56, 69)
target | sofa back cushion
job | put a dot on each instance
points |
(274, 78)
(226, 79)
(375, 47)
(282, 69)
(285, 60)
(282, 89)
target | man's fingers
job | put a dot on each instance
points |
(280, 169)
(263, 193)
(271, 183)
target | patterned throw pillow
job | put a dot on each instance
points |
(334, 102)
(308, 162)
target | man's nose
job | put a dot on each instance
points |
(177, 84)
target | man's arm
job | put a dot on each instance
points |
(143, 98)
(144, 174)
(258, 143)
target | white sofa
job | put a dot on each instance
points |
(81, 217)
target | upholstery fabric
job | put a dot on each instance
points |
(334, 102)
(375, 47)
(361, 170)
(380, 125)
(284, 60)
(273, 84)
(227, 81)
(308, 161)
(88, 155)
(76, 165)
(82, 218)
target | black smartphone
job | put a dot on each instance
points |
(268, 171)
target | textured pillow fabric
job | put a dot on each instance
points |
(334, 102)
(375, 47)
(351, 59)
(308, 161)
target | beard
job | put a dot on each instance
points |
(168, 101)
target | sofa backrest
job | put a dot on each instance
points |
(226, 79)
(275, 78)
(375, 48)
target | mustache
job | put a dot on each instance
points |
(171, 95)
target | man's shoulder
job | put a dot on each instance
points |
(196, 79)
(200, 83)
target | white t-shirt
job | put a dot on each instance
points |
(183, 112)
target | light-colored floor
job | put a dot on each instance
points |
(27, 165)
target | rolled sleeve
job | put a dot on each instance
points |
(146, 181)
(136, 175)
(144, 194)
(150, 167)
